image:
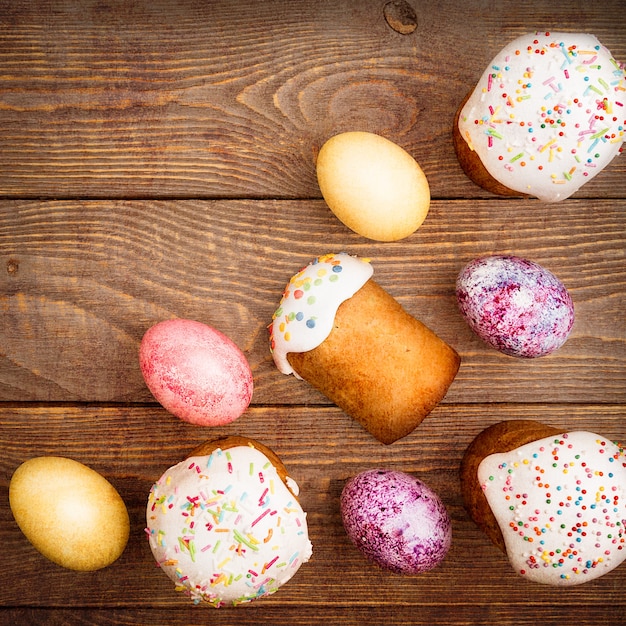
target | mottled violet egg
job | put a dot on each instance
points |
(516, 305)
(396, 520)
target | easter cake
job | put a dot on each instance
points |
(225, 524)
(547, 115)
(344, 334)
(553, 501)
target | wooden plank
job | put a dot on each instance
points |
(195, 99)
(379, 613)
(133, 445)
(82, 281)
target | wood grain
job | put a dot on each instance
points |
(223, 99)
(157, 160)
(91, 277)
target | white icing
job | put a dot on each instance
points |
(548, 114)
(225, 528)
(305, 315)
(560, 503)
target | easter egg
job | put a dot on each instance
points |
(69, 512)
(372, 185)
(516, 305)
(195, 372)
(396, 520)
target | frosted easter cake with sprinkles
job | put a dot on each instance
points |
(225, 524)
(336, 328)
(559, 502)
(547, 115)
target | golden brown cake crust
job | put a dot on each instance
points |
(501, 437)
(224, 443)
(471, 163)
(380, 365)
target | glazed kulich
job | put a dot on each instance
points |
(553, 501)
(344, 334)
(547, 115)
(225, 524)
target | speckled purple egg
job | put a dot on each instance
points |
(396, 520)
(516, 305)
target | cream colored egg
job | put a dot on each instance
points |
(372, 185)
(69, 512)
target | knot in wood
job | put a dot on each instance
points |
(401, 16)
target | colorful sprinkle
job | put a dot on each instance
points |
(226, 518)
(301, 324)
(564, 81)
(582, 475)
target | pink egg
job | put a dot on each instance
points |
(196, 372)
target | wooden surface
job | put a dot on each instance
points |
(157, 160)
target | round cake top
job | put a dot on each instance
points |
(305, 315)
(225, 528)
(548, 114)
(560, 503)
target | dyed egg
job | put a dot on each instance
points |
(515, 305)
(69, 512)
(196, 372)
(372, 185)
(396, 520)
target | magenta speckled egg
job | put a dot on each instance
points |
(396, 520)
(196, 372)
(516, 305)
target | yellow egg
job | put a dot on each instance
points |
(372, 185)
(69, 512)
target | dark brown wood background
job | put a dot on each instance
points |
(157, 160)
